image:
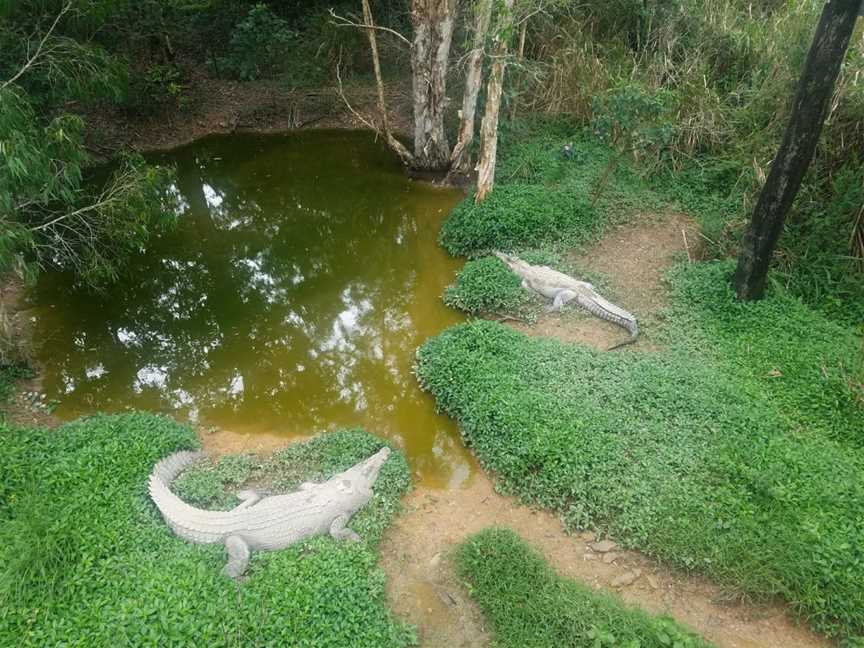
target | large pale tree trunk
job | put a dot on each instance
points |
(460, 158)
(494, 87)
(432, 21)
(809, 108)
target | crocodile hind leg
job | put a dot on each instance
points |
(560, 299)
(238, 556)
(338, 530)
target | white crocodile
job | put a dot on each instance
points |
(266, 523)
(562, 289)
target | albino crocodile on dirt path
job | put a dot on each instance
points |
(562, 289)
(266, 523)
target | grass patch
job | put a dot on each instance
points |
(528, 604)
(702, 454)
(88, 560)
(543, 200)
(9, 377)
(487, 286)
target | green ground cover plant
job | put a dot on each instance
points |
(529, 605)
(486, 285)
(87, 560)
(735, 451)
(545, 199)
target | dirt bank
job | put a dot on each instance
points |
(214, 106)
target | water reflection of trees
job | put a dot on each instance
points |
(289, 304)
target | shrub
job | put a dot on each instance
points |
(259, 46)
(528, 604)
(87, 560)
(736, 451)
(488, 286)
(518, 216)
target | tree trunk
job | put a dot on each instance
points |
(397, 146)
(489, 126)
(809, 109)
(430, 54)
(461, 158)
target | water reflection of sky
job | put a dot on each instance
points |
(291, 298)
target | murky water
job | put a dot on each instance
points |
(291, 298)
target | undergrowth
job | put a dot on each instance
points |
(528, 604)
(487, 286)
(87, 560)
(736, 451)
(545, 200)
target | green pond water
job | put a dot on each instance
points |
(302, 276)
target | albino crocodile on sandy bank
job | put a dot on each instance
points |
(562, 289)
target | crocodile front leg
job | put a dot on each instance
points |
(338, 530)
(238, 556)
(561, 298)
(248, 498)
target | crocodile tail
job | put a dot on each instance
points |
(174, 510)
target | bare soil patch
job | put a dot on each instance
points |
(424, 589)
(633, 257)
(214, 106)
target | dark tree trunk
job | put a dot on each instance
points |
(809, 109)
(430, 54)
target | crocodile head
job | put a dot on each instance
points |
(510, 260)
(362, 476)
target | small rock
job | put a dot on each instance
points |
(610, 557)
(589, 556)
(436, 560)
(587, 536)
(627, 578)
(604, 546)
(652, 581)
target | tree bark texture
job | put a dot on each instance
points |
(809, 109)
(397, 146)
(460, 158)
(494, 87)
(433, 22)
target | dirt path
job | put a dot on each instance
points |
(422, 585)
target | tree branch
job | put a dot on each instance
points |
(38, 51)
(341, 21)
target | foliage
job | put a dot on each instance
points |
(48, 214)
(632, 119)
(259, 46)
(528, 604)
(735, 452)
(487, 286)
(87, 559)
(725, 73)
(518, 215)
(10, 374)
